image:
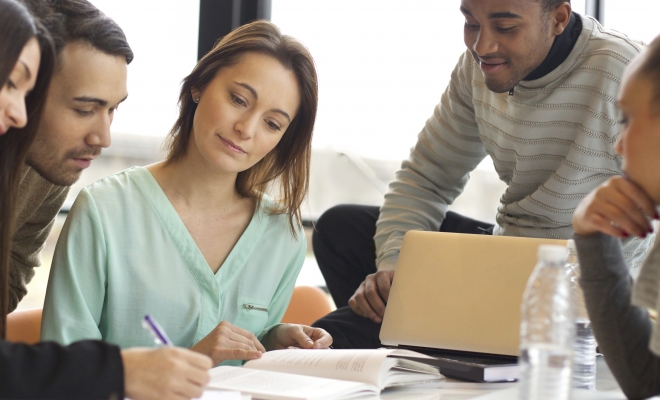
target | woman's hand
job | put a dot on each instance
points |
(617, 208)
(302, 336)
(229, 342)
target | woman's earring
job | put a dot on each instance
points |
(196, 100)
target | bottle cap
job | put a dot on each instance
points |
(551, 253)
(570, 244)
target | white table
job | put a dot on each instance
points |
(606, 389)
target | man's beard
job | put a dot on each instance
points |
(53, 169)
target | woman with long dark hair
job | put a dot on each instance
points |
(209, 241)
(26, 66)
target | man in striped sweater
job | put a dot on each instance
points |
(536, 91)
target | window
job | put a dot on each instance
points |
(164, 40)
(638, 19)
(578, 6)
(382, 66)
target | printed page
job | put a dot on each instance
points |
(368, 366)
(278, 385)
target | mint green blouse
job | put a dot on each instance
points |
(124, 252)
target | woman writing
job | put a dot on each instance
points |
(621, 207)
(194, 240)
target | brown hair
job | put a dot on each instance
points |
(16, 28)
(287, 165)
(650, 67)
(79, 20)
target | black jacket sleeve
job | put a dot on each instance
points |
(88, 369)
(622, 330)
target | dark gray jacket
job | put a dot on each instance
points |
(622, 329)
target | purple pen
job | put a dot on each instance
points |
(156, 331)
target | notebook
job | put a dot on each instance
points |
(457, 297)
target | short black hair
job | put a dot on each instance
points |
(549, 5)
(79, 20)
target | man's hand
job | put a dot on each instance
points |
(165, 373)
(617, 208)
(229, 342)
(301, 336)
(370, 298)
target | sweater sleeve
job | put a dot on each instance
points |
(622, 330)
(83, 370)
(40, 201)
(447, 149)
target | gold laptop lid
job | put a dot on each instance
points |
(459, 291)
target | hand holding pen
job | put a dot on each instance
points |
(165, 373)
(156, 331)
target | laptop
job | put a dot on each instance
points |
(457, 297)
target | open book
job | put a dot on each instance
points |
(321, 374)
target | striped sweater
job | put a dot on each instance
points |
(551, 141)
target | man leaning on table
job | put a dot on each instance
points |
(88, 84)
(536, 91)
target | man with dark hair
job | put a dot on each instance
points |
(536, 91)
(77, 122)
(88, 84)
(92, 54)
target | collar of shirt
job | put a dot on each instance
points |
(561, 48)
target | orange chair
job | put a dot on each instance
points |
(24, 326)
(308, 304)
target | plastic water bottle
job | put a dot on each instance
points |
(547, 329)
(584, 347)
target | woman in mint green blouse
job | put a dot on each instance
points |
(194, 240)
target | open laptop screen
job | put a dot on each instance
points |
(459, 292)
